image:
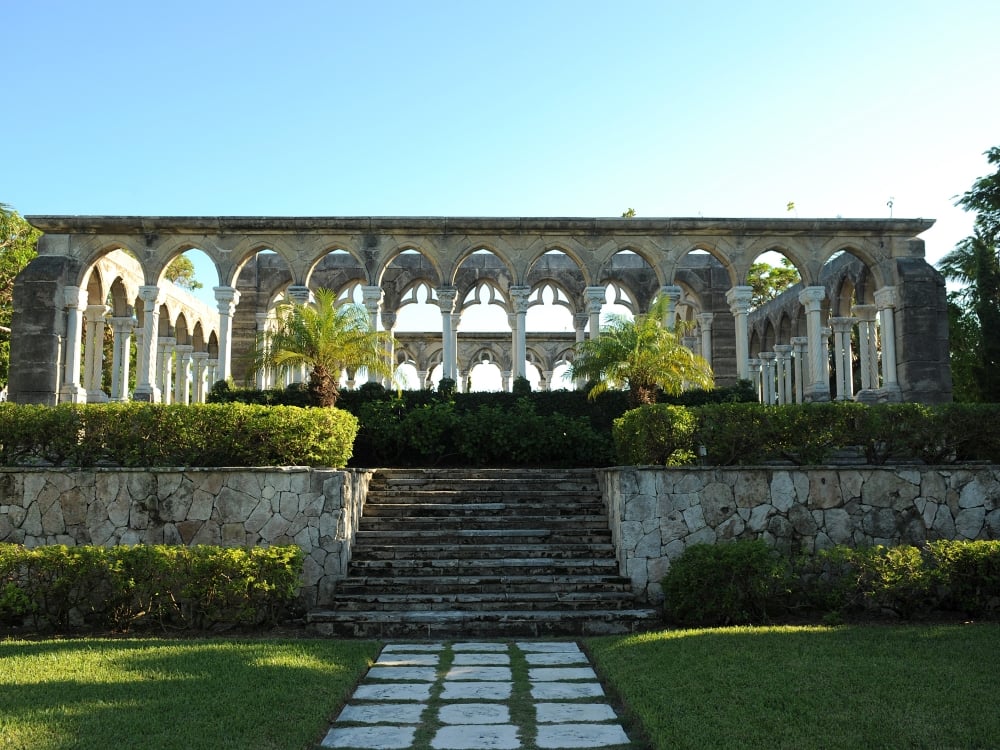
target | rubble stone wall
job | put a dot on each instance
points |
(317, 509)
(655, 514)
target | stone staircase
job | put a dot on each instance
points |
(483, 553)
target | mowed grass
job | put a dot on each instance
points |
(809, 687)
(165, 694)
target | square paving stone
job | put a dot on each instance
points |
(408, 660)
(561, 713)
(565, 691)
(476, 737)
(412, 648)
(412, 674)
(399, 691)
(580, 735)
(484, 691)
(474, 713)
(555, 658)
(548, 646)
(382, 713)
(480, 659)
(375, 738)
(473, 646)
(552, 674)
(479, 673)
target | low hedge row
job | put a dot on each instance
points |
(138, 434)
(749, 434)
(61, 588)
(748, 582)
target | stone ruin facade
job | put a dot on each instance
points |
(867, 321)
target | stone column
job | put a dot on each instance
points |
(122, 335)
(165, 374)
(372, 299)
(739, 304)
(843, 357)
(75, 300)
(767, 368)
(227, 298)
(199, 371)
(817, 387)
(181, 385)
(145, 388)
(673, 295)
(446, 301)
(388, 325)
(212, 373)
(783, 372)
(456, 320)
(596, 296)
(93, 368)
(754, 375)
(705, 324)
(885, 300)
(800, 348)
(519, 301)
(264, 375)
(867, 347)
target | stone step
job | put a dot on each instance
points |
(464, 535)
(563, 524)
(492, 510)
(484, 602)
(437, 551)
(455, 584)
(494, 495)
(481, 567)
(495, 624)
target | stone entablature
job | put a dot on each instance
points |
(655, 514)
(580, 257)
(316, 509)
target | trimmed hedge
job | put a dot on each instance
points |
(59, 588)
(748, 582)
(749, 434)
(138, 434)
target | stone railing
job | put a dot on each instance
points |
(655, 513)
(317, 509)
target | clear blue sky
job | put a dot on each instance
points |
(509, 108)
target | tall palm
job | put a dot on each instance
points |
(643, 355)
(961, 264)
(325, 338)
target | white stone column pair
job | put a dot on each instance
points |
(886, 300)
(817, 388)
(446, 301)
(75, 301)
(739, 304)
(145, 388)
(843, 357)
(121, 328)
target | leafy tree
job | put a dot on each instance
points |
(643, 356)
(628, 213)
(325, 338)
(181, 272)
(18, 243)
(768, 281)
(974, 263)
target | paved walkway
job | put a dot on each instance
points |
(478, 696)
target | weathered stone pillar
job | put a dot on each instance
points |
(227, 298)
(843, 357)
(182, 390)
(211, 373)
(519, 301)
(446, 301)
(145, 388)
(389, 324)
(507, 380)
(885, 300)
(75, 300)
(867, 347)
(596, 296)
(93, 368)
(705, 324)
(199, 371)
(121, 328)
(264, 376)
(580, 321)
(739, 304)
(165, 372)
(755, 376)
(818, 386)
(673, 295)
(767, 373)
(783, 372)
(800, 348)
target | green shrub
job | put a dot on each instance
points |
(741, 582)
(970, 571)
(60, 588)
(656, 434)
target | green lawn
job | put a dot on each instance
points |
(809, 687)
(164, 694)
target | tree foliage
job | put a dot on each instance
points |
(769, 281)
(18, 245)
(642, 355)
(181, 272)
(326, 339)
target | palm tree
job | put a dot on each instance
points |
(643, 355)
(325, 338)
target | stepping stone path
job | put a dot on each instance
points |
(478, 696)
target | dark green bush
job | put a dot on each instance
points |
(136, 434)
(62, 588)
(657, 434)
(972, 572)
(742, 582)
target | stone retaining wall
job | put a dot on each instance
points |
(317, 509)
(656, 513)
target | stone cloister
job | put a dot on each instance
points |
(867, 321)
